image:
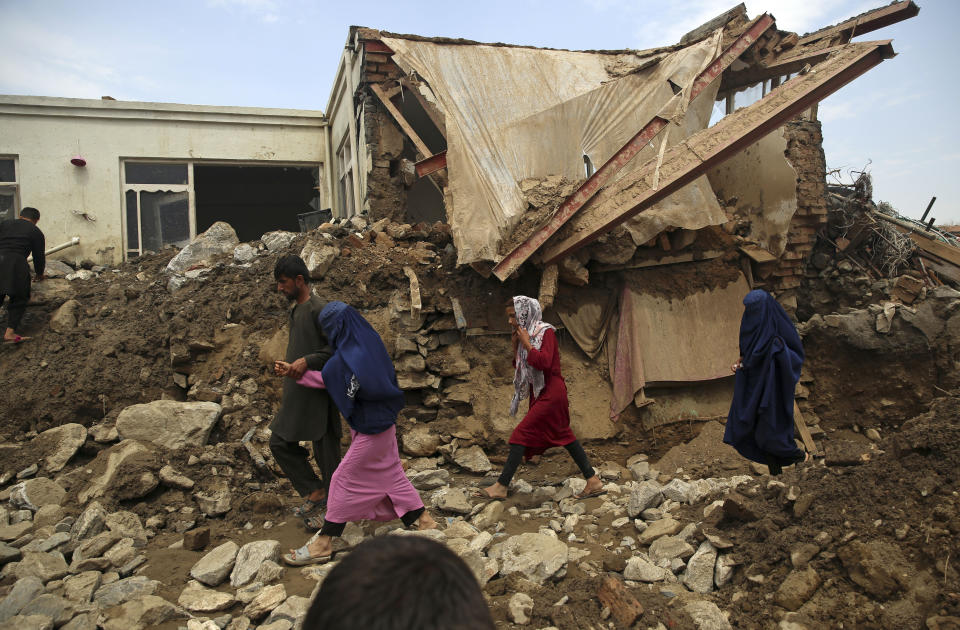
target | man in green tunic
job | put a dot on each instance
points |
(306, 414)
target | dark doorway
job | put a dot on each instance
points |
(254, 199)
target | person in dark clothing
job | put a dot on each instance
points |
(306, 414)
(760, 422)
(18, 239)
(399, 583)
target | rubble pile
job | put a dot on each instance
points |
(138, 489)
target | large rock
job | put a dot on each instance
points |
(64, 319)
(126, 472)
(798, 588)
(678, 490)
(645, 495)
(55, 608)
(244, 253)
(293, 610)
(451, 500)
(878, 567)
(96, 546)
(706, 615)
(168, 423)
(62, 443)
(520, 607)
(213, 568)
(268, 599)
(215, 500)
(537, 556)
(20, 595)
(146, 612)
(125, 590)
(448, 361)
(81, 587)
(251, 556)
(44, 566)
(658, 529)
(318, 257)
(220, 238)
(33, 494)
(472, 459)
(128, 525)
(430, 479)
(277, 240)
(489, 515)
(668, 548)
(700, 568)
(198, 598)
(419, 441)
(91, 522)
(639, 568)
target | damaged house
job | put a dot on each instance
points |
(640, 193)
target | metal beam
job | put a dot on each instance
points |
(686, 161)
(512, 261)
(431, 164)
(404, 125)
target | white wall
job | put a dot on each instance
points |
(44, 133)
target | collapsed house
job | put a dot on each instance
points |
(647, 190)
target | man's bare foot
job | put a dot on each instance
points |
(496, 491)
(426, 522)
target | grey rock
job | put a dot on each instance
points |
(23, 622)
(430, 479)
(148, 611)
(802, 554)
(121, 553)
(64, 319)
(270, 571)
(318, 257)
(57, 269)
(678, 490)
(173, 479)
(472, 459)
(278, 240)
(54, 541)
(198, 598)
(293, 610)
(723, 571)
(15, 531)
(125, 590)
(216, 500)
(797, 588)
(700, 569)
(645, 495)
(35, 493)
(62, 443)
(81, 587)
(657, 529)
(55, 608)
(168, 423)
(92, 521)
(22, 593)
(268, 599)
(251, 556)
(488, 517)
(28, 472)
(537, 556)
(451, 500)
(706, 615)
(128, 525)
(244, 253)
(640, 569)
(420, 441)
(668, 548)
(96, 546)
(85, 622)
(8, 554)
(220, 238)
(127, 473)
(214, 567)
(45, 566)
(21, 516)
(520, 608)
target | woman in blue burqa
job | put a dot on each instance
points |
(760, 422)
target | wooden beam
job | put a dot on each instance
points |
(658, 262)
(870, 21)
(435, 115)
(923, 241)
(803, 430)
(416, 305)
(404, 125)
(757, 253)
(688, 160)
(512, 261)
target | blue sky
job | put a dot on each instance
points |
(899, 118)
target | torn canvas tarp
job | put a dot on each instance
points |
(514, 113)
(586, 313)
(664, 340)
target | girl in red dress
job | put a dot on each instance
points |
(537, 375)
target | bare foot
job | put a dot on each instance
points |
(496, 491)
(317, 495)
(426, 522)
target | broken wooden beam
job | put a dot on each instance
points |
(663, 260)
(688, 160)
(757, 253)
(433, 113)
(549, 280)
(623, 606)
(416, 306)
(869, 21)
(404, 125)
(512, 261)
(804, 431)
(458, 314)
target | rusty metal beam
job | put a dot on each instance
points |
(686, 161)
(431, 164)
(404, 125)
(512, 261)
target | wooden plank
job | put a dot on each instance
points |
(549, 279)
(404, 125)
(415, 304)
(614, 595)
(804, 432)
(917, 234)
(870, 21)
(435, 115)
(757, 253)
(458, 314)
(688, 160)
(657, 262)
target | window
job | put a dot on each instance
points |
(345, 175)
(158, 200)
(9, 197)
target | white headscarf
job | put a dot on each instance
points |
(530, 318)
